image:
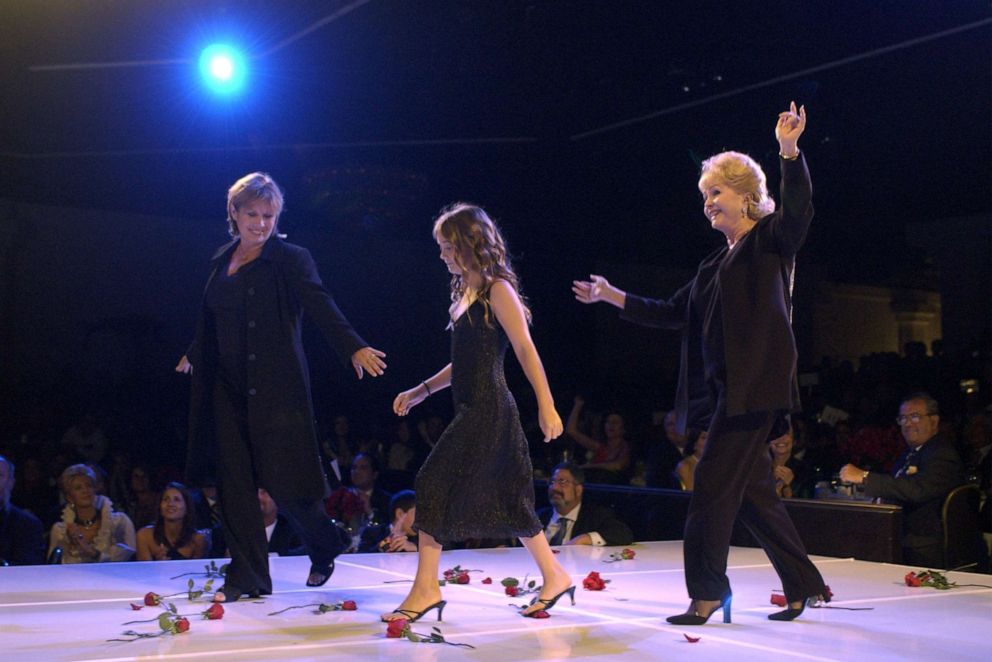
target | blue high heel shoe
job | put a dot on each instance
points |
(695, 618)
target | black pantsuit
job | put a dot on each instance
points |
(251, 419)
(739, 356)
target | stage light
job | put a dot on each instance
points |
(223, 68)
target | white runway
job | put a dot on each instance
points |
(68, 613)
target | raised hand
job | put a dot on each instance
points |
(791, 124)
(592, 290)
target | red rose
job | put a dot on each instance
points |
(540, 614)
(182, 625)
(349, 605)
(512, 591)
(593, 582)
(394, 629)
(152, 599)
(778, 600)
(462, 578)
(487, 580)
(912, 579)
(215, 612)
(628, 553)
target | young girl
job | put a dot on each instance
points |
(477, 481)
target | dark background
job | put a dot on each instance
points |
(112, 178)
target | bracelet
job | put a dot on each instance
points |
(427, 388)
(790, 158)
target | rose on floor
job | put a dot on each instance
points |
(400, 629)
(456, 575)
(487, 580)
(513, 587)
(322, 607)
(171, 621)
(626, 554)
(593, 582)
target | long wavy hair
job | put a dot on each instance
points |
(189, 519)
(478, 246)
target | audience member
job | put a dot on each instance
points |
(22, 538)
(685, 471)
(402, 454)
(363, 502)
(86, 440)
(206, 509)
(398, 535)
(924, 474)
(570, 522)
(283, 539)
(792, 478)
(174, 536)
(610, 458)
(90, 531)
(33, 493)
(340, 448)
(665, 454)
(143, 502)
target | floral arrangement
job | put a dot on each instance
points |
(624, 555)
(593, 582)
(400, 629)
(171, 621)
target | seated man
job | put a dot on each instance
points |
(363, 502)
(398, 535)
(924, 474)
(283, 538)
(569, 522)
(22, 537)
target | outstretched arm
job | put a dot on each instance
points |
(510, 313)
(661, 313)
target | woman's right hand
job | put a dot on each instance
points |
(409, 399)
(596, 289)
(184, 366)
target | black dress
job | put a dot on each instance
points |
(478, 482)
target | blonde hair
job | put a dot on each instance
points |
(76, 471)
(478, 246)
(743, 174)
(251, 187)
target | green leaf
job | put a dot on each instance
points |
(172, 608)
(165, 621)
(190, 584)
(510, 581)
(531, 584)
(441, 582)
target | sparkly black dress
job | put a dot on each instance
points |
(478, 482)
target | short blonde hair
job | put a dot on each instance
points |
(251, 187)
(743, 174)
(75, 471)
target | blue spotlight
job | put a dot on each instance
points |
(223, 68)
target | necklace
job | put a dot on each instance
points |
(87, 523)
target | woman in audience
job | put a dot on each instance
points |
(611, 457)
(174, 536)
(90, 531)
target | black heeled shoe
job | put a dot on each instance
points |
(695, 618)
(320, 574)
(549, 603)
(233, 593)
(790, 613)
(414, 616)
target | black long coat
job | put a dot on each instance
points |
(278, 287)
(756, 298)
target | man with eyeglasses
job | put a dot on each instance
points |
(570, 522)
(923, 475)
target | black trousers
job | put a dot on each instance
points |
(734, 480)
(241, 515)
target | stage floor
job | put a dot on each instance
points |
(68, 613)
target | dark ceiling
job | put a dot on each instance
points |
(394, 108)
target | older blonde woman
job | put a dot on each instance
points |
(90, 530)
(739, 361)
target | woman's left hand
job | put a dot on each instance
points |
(791, 124)
(368, 359)
(550, 423)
